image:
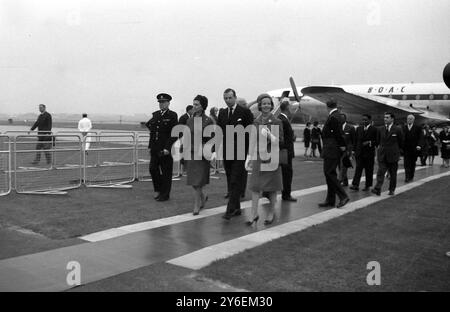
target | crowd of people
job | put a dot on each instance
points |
(240, 156)
(337, 143)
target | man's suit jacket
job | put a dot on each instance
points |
(241, 116)
(332, 136)
(369, 136)
(183, 119)
(349, 136)
(413, 138)
(44, 125)
(390, 145)
(288, 135)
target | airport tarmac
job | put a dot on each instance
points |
(179, 240)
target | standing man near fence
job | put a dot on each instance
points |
(160, 145)
(44, 126)
(85, 125)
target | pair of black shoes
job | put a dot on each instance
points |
(378, 192)
(342, 203)
(228, 216)
(290, 199)
(161, 198)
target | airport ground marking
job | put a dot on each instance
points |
(203, 257)
(147, 225)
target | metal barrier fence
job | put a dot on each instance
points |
(62, 162)
(142, 157)
(5, 165)
(60, 169)
(110, 161)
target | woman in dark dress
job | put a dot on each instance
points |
(444, 137)
(316, 135)
(433, 142)
(266, 176)
(197, 165)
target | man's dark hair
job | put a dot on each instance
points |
(390, 114)
(84, 115)
(188, 108)
(43, 105)
(332, 103)
(308, 123)
(316, 123)
(284, 106)
(368, 116)
(230, 90)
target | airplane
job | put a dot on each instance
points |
(428, 102)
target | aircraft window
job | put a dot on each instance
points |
(431, 96)
(417, 97)
(404, 97)
(445, 97)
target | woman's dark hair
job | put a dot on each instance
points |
(203, 101)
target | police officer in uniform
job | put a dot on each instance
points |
(160, 145)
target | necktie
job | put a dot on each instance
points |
(230, 112)
(387, 131)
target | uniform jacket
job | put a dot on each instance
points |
(390, 145)
(369, 136)
(160, 127)
(332, 136)
(241, 116)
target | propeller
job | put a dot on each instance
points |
(296, 95)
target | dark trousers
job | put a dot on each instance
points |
(286, 171)
(244, 182)
(161, 171)
(45, 146)
(366, 163)
(384, 166)
(410, 166)
(333, 186)
(235, 170)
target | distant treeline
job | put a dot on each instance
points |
(136, 126)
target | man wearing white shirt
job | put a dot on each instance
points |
(85, 125)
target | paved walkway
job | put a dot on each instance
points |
(48, 271)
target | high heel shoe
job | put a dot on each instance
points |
(267, 222)
(195, 213)
(255, 219)
(203, 205)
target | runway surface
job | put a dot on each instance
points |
(48, 271)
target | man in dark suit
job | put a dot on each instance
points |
(44, 126)
(286, 169)
(182, 121)
(412, 147)
(333, 147)
(390, 142)
(234, 150)
(349, 138)
(365, 142)
(160, 145)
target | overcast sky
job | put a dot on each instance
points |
(114, 56)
